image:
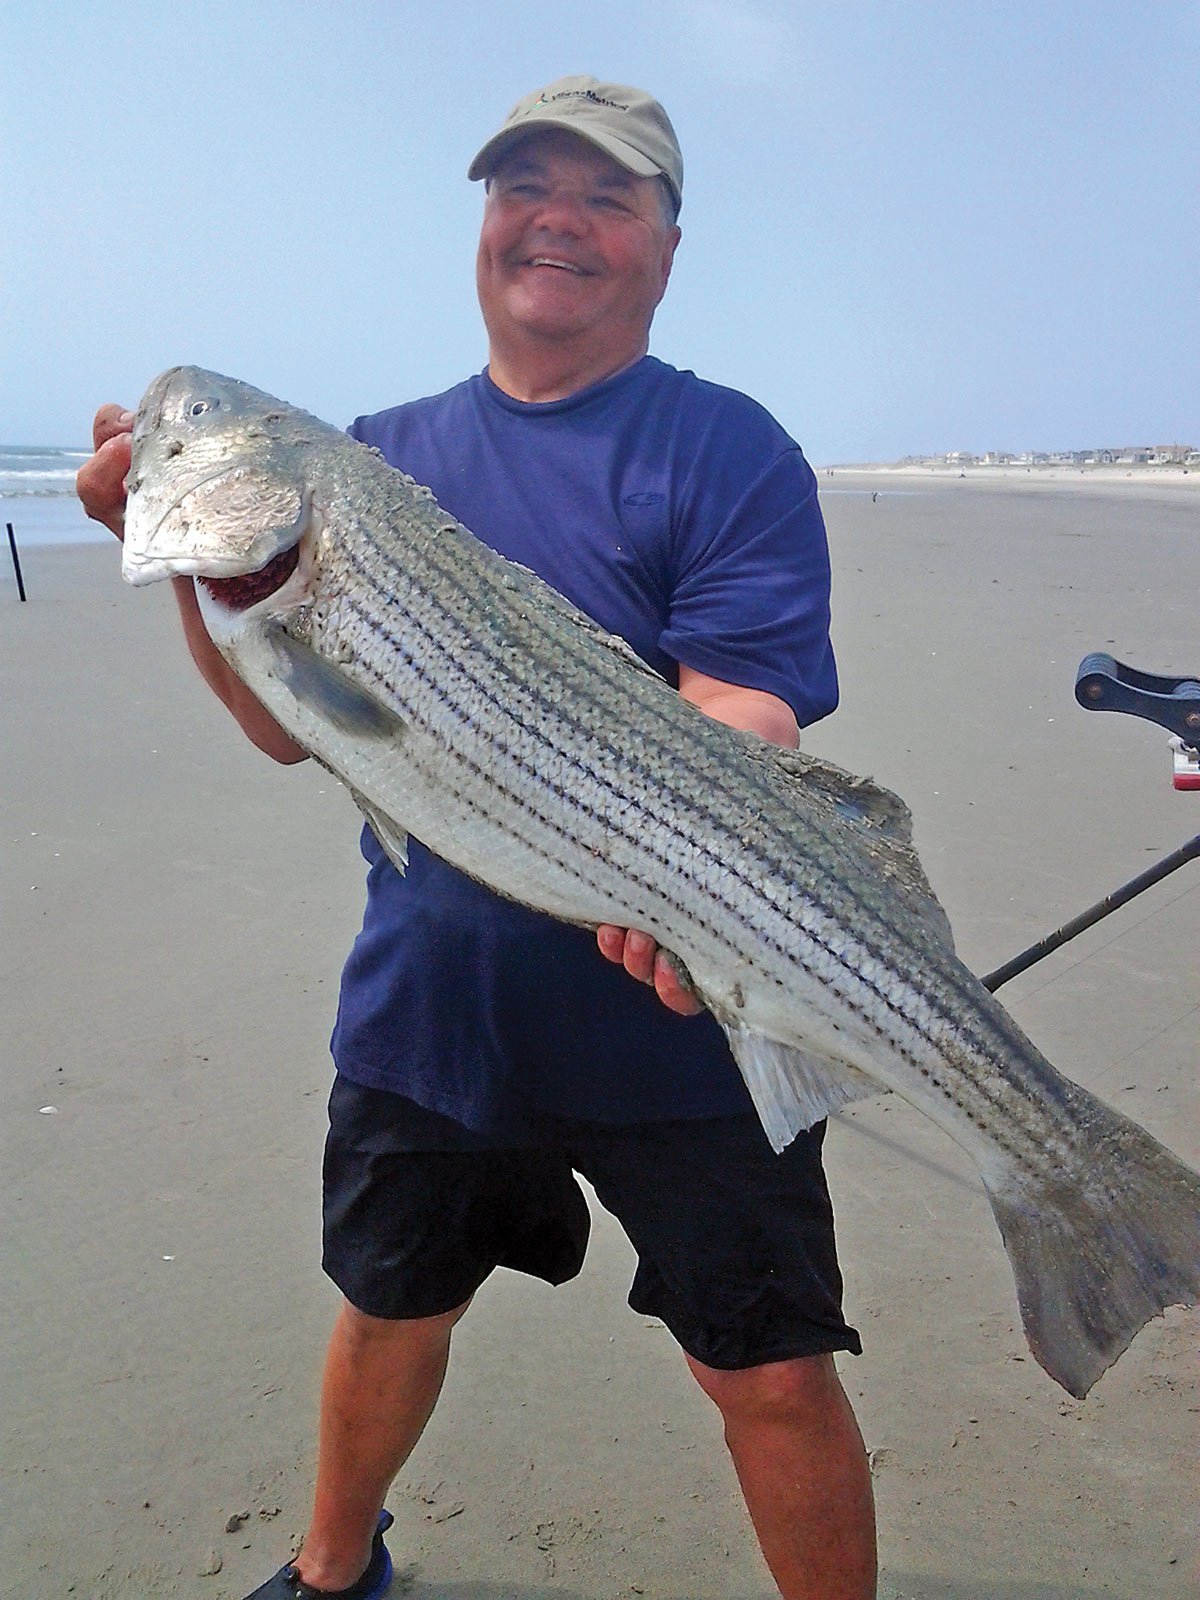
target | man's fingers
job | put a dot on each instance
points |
(100, 482)
(639, 955)
(101, 478)
(108, 421)
(628, 948)
(670, 991)
(642, 959)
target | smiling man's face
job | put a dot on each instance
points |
(574, 252)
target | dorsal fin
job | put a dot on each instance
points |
(513, 576)
(879, 818)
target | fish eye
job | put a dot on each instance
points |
(199, 407)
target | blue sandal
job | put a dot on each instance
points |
(288, 1585)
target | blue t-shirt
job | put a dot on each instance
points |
(680, 516)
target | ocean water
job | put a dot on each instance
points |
(37, 495)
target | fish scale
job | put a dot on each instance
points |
(465, 702)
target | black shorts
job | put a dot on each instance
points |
(735, 1244)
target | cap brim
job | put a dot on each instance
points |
(623, 154)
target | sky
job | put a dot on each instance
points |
(907, 228)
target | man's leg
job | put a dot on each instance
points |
(412, 1223)
(803, 1469)
(736, 1255)
(382, 1380)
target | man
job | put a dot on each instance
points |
(484, 1052)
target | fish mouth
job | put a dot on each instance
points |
(281, 514)
(280, 587)
(144, 564)
(248, 588)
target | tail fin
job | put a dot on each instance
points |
(1099, 1250)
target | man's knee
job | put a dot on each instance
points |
(802, 1388)
(363, 1329)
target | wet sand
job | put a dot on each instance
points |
(175, 911)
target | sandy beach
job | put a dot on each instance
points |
(175, 912)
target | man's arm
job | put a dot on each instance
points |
(755, 711)
(100, 485)
(255, 721)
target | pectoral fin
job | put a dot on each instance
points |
(791, 1088)
(391, 836)
(318, 684)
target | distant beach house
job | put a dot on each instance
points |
(1130, 455)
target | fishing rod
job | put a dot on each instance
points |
(1104, 684)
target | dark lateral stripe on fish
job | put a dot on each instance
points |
(946, 1036)
(450, 620)
(725, 764)
(713, 819)
(952, 1034)
(442, 627)
(523, 801)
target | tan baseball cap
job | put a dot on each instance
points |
(627, 124)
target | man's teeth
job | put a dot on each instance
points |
(549, 261)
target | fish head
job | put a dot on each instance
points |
(217, 486)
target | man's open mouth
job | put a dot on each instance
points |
(239, 594)
(555, 261)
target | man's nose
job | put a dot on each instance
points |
(562, 212)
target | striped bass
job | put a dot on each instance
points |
(462, 700)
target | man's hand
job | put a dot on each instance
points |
(755, 711)
(643, 960)
(100, 481)
(100, 485)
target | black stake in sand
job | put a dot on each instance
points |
(12, 545)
